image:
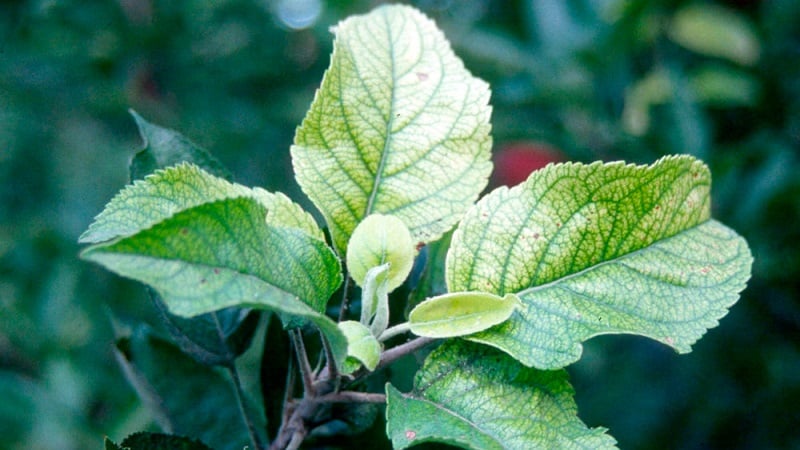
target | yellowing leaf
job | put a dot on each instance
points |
(398, 127)
(476, 397)
(460, 313)
(379, 240)
(600, 248)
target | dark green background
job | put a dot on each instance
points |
(232, 76)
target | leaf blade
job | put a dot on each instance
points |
(457, 400)
(368, 143)
(223, 254)
(460, 313)
(569, 224)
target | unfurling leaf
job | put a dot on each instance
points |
(398, 127)
(476, 397)
(600, 248)
(460, 313)
(380, 240)
(361, 346)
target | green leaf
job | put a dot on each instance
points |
(170, 191)
(379, 240)
(214, 338)
(164, 148)
(475, 397)
(361, 344)
(716, 31)
(222, 254)
(398, 127)
(185, 397)
(460, 313)
(375, 299)
(600, 248)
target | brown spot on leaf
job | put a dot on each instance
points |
(216, 271)
(422, 76)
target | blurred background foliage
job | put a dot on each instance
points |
(578, 79)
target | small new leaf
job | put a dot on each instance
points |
(476, 397)
(460, 313)
(398, 127)
(600, 248)
(379, 240)
(361, 345)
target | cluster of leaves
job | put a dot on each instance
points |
(394, 153)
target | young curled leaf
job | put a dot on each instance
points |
(461, 313)
(378, 240)
(361, 346)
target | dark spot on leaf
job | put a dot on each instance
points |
(420, 245)
(202, 280)
(184, 231)
(216, 271)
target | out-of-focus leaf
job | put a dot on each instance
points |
(460, 313)
(398, 127)
(716, 31)
(213, 338)
(724, 86)
(185, 397)
(475, 397)
(600, 248)
(164, 148)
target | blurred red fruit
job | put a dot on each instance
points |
(513, 162)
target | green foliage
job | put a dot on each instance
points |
(460, 313)
(575, 251)
(519, 407)
(607, 80)
(398, 127)
(379, 240)
(600, 248)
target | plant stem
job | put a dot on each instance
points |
(302, 362)
(394, 331)
(352, 397)
(332, 372)
(297, 440)
(395, 353)
(343, 305)
(237, 383)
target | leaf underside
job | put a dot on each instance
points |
(205, 244)
(398, 127)
(600, 248)
(476, 397)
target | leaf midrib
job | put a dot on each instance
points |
(389, 123)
